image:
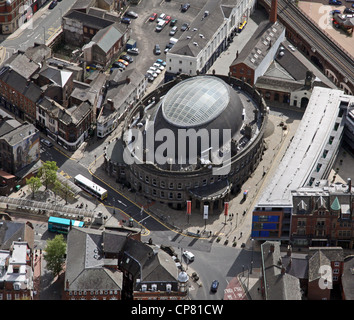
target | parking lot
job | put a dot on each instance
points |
(143, 30)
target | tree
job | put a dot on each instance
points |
(34, 184)
(66, 190)
(48, 173)
(55, 254)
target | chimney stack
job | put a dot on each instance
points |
(349, 185)
(273, 11)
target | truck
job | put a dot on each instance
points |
(131, 44)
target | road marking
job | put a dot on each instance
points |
(144, 219)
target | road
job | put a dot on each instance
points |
(43, 25)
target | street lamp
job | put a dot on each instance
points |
(114, 205)
(252, 255)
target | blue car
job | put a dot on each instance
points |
(214, 286)
(335, 2)
(126, 20)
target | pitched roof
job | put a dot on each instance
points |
(85, 262)
(106, 38)
(278, 284)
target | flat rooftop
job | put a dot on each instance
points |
(302, 153)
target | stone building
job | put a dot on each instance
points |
(201, 105)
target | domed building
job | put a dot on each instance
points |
(196, 139)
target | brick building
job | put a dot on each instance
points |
(325, 271)
(323, 216)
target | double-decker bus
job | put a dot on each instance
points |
(62, 225)
(90, 187)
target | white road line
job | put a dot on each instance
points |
(144, 219)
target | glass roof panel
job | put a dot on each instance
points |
(195, 101)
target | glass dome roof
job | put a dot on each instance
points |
(195, 101)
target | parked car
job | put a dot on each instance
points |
(150, 77)
(126, 20)
(117, 64)
(160, 25)
(126, 63)
(53, 4)
(113, 68)
(185, 26)
(173, 31)
(335, 2)
(161, 62)
(134, 51)
(214, 286)
(158, 66)
(47, 143)
(185, 7)
(131, 14)
(335, 11)
(189, 255)
(348, 10)
(154, 74)
(167, 19)
(173, 22)
(162, 16)
(168, 47)
(153, 69)
(157, 49)
(153, 17)
(127, 58)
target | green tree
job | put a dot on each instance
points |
(34, 184)
(48, 173)
(54, 254)
(66, 190)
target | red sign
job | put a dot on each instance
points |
(226, 211)
(189, 207)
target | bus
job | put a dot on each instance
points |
(62, 225)
(90, 187)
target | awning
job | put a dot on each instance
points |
(212, 192)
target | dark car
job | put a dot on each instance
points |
(185, 7)
(214, 286)
(53, 4)
(127, 58)
(131, 14)
(117, 64)
(348, 10)
(335, 11)
(125, 20)
(185, 26)
(150, 77)
(335, 2)
(157, 49)
(173, 22)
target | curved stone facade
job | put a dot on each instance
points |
(175, 183)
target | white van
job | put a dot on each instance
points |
(189, 255)
(160, 25)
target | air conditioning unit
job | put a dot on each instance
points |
(154, 287)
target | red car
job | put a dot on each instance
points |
(167, 19)
(153, 17)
